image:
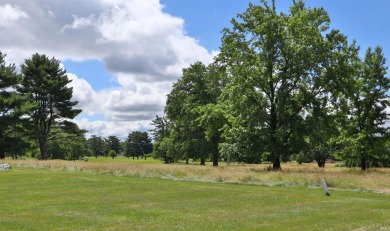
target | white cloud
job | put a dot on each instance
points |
(79, 23)
(10, 14)
(120, 129)
(142, 47)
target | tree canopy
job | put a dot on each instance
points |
(12, 107)
(284, 84)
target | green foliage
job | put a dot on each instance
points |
(68, 148)
(13, 106)
(283, 85)
(364, 136)
(199, 86)
(88, 152)
(162, 147)
(46, 84)
(166, 150)
(161, 128)
(59, 149)
(278, 64)
(97, 145)
(78, 150)
(114, 143)
(138, 144)
(112, 154)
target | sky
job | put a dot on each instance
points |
(124, 55)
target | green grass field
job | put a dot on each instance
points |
(45, 199)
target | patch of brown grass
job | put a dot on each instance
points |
(293, 175)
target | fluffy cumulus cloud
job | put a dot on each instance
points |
(142, 47)
(9, 14)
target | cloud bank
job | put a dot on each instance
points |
(143, 48)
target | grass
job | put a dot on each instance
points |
(47, 199)
(122, 159)
(293, 175)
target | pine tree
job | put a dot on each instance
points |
(12, 107)
(46, 83)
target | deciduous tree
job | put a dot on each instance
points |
(277, 63)
(364, 134)
(199, 86)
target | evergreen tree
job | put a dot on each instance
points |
(46, 84)
(12, 107)
(114, 143)
(138, 144)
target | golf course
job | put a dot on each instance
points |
(127, 194)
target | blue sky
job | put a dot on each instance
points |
(363, 20)
(124, 55)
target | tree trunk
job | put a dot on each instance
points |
(321, 163)
(43, 149)
(275, 154)
(276, 164)
(215, 159)
(2, 153)
(363, 164)
(202, 161)
(215, 152)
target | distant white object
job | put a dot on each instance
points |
(325, 187)
(5, 166)
(86, 159)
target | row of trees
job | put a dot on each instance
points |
(138, 144)
(283, 84)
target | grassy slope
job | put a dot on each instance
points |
(41, 199)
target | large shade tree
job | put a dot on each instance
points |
(278, 63)
(46, 83)
(364, 133)
(199, 86)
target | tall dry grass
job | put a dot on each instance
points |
(293, 175)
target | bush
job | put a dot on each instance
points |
(112, 154)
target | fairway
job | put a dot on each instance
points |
(42, 199)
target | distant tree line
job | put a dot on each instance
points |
(283, 86)
(138, 144)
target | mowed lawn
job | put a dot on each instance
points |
(42, 199)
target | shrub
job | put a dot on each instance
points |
(112, 154)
